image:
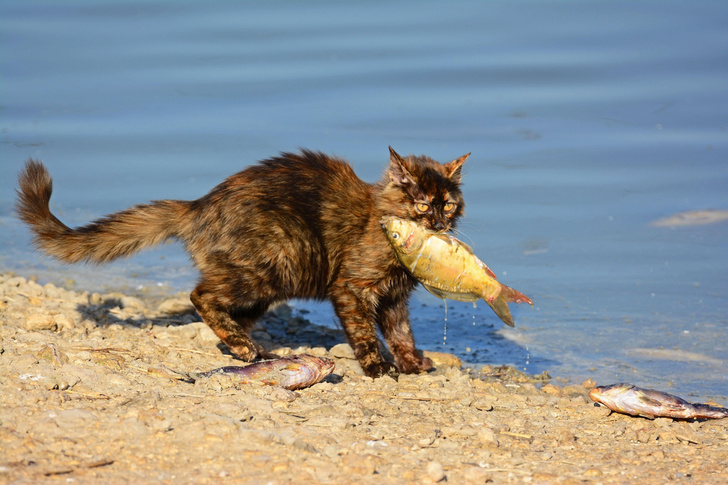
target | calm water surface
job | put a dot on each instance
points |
(586, 122)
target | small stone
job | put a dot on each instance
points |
(482, 405)
(64, 322)
(52, 291)
(477, 475)
(487, 436)
(131, 303)
(317, 351)
(176, 306)
(342, 351)
(282, 394)
(15, 281)
(565, 436)
(589, 384)
(205, 333)
(668, 437)
(443, 359)
(74, 418)
(37, 321)
(32, 289)
(356, 464)
(425, 442)
(282, 311)
(54, 355)
(259, 335)
(643, 435)
(435, 471)
(63, 381)
(544, 477)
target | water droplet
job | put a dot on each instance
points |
(444, 330)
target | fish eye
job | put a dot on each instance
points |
(395, 235)
(422, 207)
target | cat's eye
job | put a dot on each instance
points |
(422, 207)
(449, 207)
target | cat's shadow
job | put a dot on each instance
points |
(274, 332)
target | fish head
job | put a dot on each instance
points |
(304, 370)
(610, 395)
(404, 236)
(321, 365)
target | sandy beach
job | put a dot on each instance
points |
(86, 399)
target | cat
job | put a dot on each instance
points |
(299, 225)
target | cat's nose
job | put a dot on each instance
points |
(440, 226)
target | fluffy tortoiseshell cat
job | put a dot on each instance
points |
(294, 226)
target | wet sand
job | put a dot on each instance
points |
(85, 399)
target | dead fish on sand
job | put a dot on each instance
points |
(648, 403)
(292, 372)
(447, 267)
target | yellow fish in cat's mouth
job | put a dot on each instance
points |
(447, 267)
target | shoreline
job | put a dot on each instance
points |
(84, 398)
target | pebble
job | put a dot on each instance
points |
(317, 352)
(38, 321)
(592, 472)
(15, 281)
(487, 437)
(443, 359)
(131, 303)
(342, 351)
(64, 322)
(435, 471)
(205, 333)
(482, 405)
(74, 418)
(176, 306)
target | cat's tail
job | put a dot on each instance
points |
(114, 236)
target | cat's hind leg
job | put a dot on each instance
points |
(230, 319)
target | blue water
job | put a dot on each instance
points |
(586, 122)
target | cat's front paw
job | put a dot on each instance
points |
(382, 369)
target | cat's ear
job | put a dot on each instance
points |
(398, 173)
(453, 168)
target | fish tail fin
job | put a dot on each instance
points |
(708, 411)
(500, 303)
(500, 307)
(514, 296)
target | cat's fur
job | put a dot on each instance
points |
(294, 226)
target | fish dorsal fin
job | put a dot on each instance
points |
(487, 270)
(453, 241)
(446, 238)
(644, 398)
(463, 245)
